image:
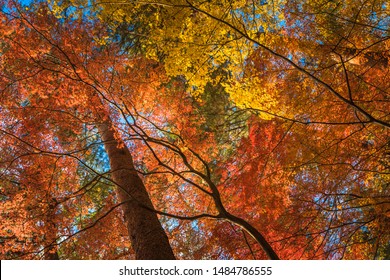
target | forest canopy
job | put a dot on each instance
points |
(188, 129)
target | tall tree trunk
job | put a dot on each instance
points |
(50, 252)
(147, 236)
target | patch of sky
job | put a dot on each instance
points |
(102, 158)
(381, 22)
(74, 229)
(365, 229)
(302, 61)
(25, 103)
(171, 224)
(99, 161)
(317, 198)
(182, 187)
(253, 17)
(195, 225)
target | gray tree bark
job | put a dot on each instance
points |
(147, 236)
